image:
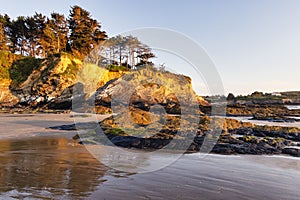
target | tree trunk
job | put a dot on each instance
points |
(120, 57)
(58, 45)
(132, 60)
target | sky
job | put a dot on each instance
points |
(254, 44)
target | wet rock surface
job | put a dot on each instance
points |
(235, 138)
(292, 151)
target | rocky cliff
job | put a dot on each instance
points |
(46, 81)
(6, 61)
(7, 99)
(53, 83)
(145, 88)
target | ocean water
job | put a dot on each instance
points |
(293, 107)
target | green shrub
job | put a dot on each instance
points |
(116, 68)
(22, 68)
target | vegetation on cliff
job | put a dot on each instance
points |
(40, 56)
(78, 34)
(41, 36)
(6, 61)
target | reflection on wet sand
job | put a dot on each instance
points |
(48, 167)
(51, 168)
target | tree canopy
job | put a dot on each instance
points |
(119, 50)
(86, 32)
(41, 36)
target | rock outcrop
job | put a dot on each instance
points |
(47, 81)
(41, 84)
(7, 99)
(60, 81)
(145, 88)
(145, 130)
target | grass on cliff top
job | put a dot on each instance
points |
(73, 65)
(4, 73)
(173, 83)
(7, 58)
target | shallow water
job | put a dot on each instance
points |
(47, 167)
(265, 122)
(214, 177)
(34, 165)
(52, 168)
(292, 107)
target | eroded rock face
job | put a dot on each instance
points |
(7, 99)
(52, 83)
(49, 85)
(64, 101)
(148, 87)
(48, 81)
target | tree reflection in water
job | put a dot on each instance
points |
(48, 166)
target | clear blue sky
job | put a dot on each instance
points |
(255, 44)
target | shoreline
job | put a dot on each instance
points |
(63, 171)
(18, 126)
(49, 158)
(24, 126)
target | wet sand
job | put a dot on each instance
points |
(214, 177)
(30, 125)
(38, 163)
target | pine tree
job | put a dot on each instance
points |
(16, 31)
(86, 32)
(49, 39)
(129, 50)
(59, 27)
(40, 25)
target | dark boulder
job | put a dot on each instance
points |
(291, 151)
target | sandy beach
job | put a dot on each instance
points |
(28, 125)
